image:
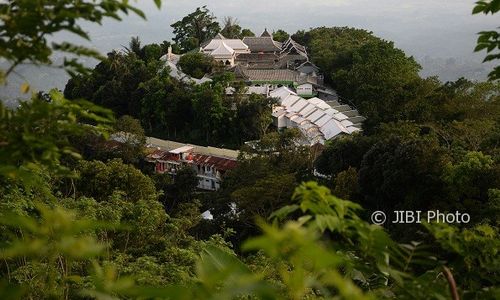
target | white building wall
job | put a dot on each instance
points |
(305, 89)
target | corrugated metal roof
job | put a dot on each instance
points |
(219, 163)
(299, 105)
(290, 100)
(317, 120)
(307, 110)
(331, 129)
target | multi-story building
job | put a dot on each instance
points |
(210, 164)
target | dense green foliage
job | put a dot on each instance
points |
(280, 35)
(195, 28)
(26, 25)
(489, 40)
(81, 217)
(448, 160)
(196, 64)
(169, 108)
(371, 73)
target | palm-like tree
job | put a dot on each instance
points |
(135, 47)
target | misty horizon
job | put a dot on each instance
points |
(441, 35)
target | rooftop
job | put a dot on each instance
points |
(219, 163)
(223, 49)
(171, 145)
(262, 44)
(317, 120)
(235, 44)
(276, 75)
(182, 149)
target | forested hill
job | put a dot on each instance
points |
(83, 214)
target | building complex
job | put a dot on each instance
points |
(284, 71)
(280, 70)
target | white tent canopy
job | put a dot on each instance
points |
(317, 120)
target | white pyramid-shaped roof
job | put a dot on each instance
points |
(222, 50)
(235, 44)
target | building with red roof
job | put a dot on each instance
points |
(210, 164)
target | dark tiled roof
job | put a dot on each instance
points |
(269, 60)
(308, 63)
(262, 44)
(273, 75)
(265, 33)
(259, 60)
(290, 44)
(292, 58)
(257, 56)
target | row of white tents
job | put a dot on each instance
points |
(317, 120)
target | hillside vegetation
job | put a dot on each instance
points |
(84, 218)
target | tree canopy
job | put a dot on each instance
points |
(195, 28)
(280, 35)
(27, 24)
(196, 64)
(489, 40)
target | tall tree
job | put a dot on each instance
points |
(231, 29)
(195, 28)
(377, 80)
(280, 35)
(134, 46)
(246, 32)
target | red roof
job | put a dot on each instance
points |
(220, 163)
(167, 156)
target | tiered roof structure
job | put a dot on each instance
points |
(236, 45)
(263, 44)
(225, 50)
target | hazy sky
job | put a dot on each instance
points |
(433, 28)
(438, 28)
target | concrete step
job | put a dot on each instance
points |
(342, 108)
(357, 119)
(332, 103)
(351, 113)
